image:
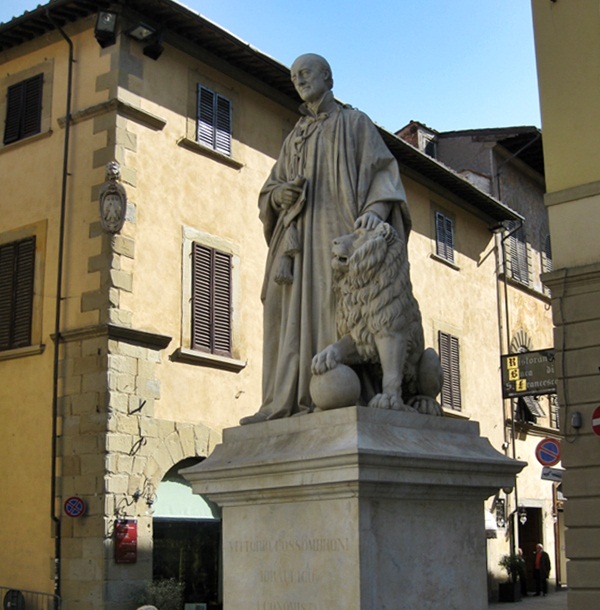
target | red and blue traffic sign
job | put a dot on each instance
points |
(74, 506)
(548, 452)
(596, 421)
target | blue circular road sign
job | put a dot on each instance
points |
(548, 452)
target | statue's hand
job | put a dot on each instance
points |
(285, 195)
(325, 360)
(368, 221)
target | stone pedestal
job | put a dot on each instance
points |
(354, 509)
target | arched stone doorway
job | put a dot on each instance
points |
(187, 540)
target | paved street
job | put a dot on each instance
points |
(555, 600)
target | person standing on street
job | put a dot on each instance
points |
(541, 570)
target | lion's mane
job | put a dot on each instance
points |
(375, 297)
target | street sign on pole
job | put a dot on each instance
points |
(528, 374)
(547, 452)
(552, 474)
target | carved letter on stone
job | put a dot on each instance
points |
(113, 200)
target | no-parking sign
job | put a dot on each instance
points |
(74, 506)
(548, 452)
(596, 421)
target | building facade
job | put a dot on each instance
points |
(567, 65)
(508, 164)
(137, 136)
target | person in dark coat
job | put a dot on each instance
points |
(541, 570)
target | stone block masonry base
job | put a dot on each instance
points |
(354, 508)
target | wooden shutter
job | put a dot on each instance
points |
(214, 120)
(17, 266)
(211, 300)
(206, 116)
(518, 257)
(444, 229)
(223, 125)
(449, 358)
(24, 109)
(222, 303)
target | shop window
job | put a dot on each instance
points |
(187, 540)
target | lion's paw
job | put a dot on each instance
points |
(389, 401)
(426, 405)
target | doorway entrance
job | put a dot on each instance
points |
(530, 533)
(187, 541)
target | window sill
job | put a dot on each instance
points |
(453, 413)
(209, 152)
(445, 261)
(27, 140)
(22, 352)
(526, 288)
(192, 356)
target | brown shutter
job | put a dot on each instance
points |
(201, 297)
(211, 300)
(32, 112)
(7, 263)
(24, 109)
(222, 303)
(17, 266)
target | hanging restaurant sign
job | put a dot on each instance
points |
(528, 374)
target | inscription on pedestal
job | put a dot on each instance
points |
(284, 569)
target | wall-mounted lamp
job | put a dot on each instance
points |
(522, 515)
(105, 29)
(142, 32)
(154, 49)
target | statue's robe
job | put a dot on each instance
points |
(349, 171)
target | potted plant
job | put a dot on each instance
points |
(510, 591)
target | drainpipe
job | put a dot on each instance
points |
(514, 514)
(57, 323)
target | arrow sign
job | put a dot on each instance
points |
(552, 474)
(548, 452)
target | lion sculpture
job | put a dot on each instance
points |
(379, 322)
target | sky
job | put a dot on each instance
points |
(466, 64)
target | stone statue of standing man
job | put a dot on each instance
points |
(334, 174)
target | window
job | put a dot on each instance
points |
(211, 329)
(23, 109)
(449, 358)
(518, 255)
(211, 300)
(17, 264)
(213, 120)
(444, 237)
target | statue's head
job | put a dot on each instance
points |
(312, 77)
(112, 170)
